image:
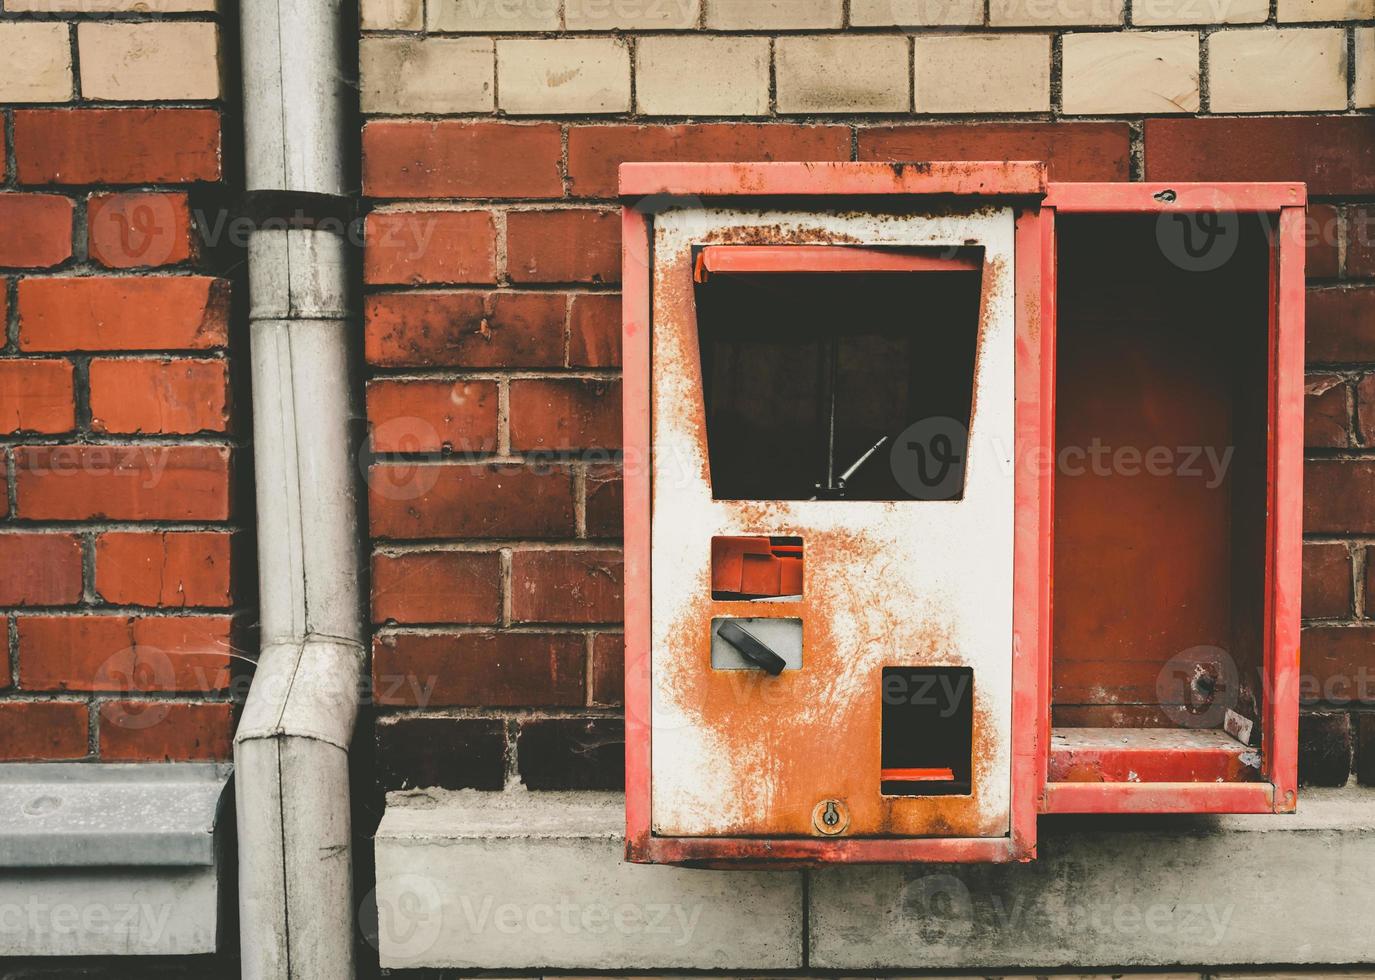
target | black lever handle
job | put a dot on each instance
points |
(751, 648)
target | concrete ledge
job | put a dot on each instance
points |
(520, 880)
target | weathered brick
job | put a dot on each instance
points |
(1268, 70)
(571, 753)
(433, 416)
(37, 731)
(1322, 10)
(139, 229)
(605, 504)
(437, 587)
(596, 152)
(566, 586)
(125, 654)
(565, 414)
(594, 330)
(1055, 13)
(1364, 90)
(562, 76)
(151, 61)
(1365, 750)
(39, 569)
(396, 15)
(769, 15)
(430, 247)
(1324, 749)
(1339, 496)
(112, 6)
(166, 731)
(1326, 414)
(453, 158)
(441, 753)
(449, 500)
(166, 569)
(1131, 72)
(1360, 238)
(916, 13)
(1332, 154)
(1370, 582)
(164, 396)
(1365, 410)
(98, 313)
(983, 73)
(38, 230)
(1326, 581)
(1338, 665)
(117, 146)
(35, 62)
(496, 17)
(563, 246)
(839, 73)
(1165, 13)
(400, 75)
(730, 76)
(494, 670)
(608, 670)
(1072, 151)
(1341, 325)
(36, 396)
(1322, 232)
(72, 483)
(465, 329)
(618, 15)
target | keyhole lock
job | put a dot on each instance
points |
(831, 818)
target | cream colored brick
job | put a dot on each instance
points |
(916, 13)
(1130, 73)
(110, 6)
(391, 15)
(493, 16)
(1292, 11)
(561, 76)
(149, 61)
(1169, 13)
(708, 75)
(35, 62)
(1277, 70)
(838, 73)
(631, 15)
(983, 73)
(769, 15)
(401, 75)
(1365, 68)
(1055, 13)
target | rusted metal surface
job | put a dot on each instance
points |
(1155, 198)
(725, 259)
(975, 178)
(1150, 755)
(1255, 797)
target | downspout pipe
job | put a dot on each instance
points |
(291, 750)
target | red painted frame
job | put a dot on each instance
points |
(1284, 530)
(1034, 352)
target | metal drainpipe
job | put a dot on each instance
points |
(291, 749)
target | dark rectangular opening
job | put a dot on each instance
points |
(928, 731)
(811, 379)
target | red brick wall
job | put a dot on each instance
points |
(118, 562)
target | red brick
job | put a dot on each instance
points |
(140, 229)
(1326, 415)
(1360, 241)
(37, 731)
(164, 568)
(495, 670)
(594, 330)
(171, 483)
(1326, 581)
(96, 313)
(1339, 496)
(452, 158)
(1370, 582)
(1341, 325)
(38, 569)
(1072, 151)
(1332, 154)
(608, 670)
(159, 396)
(424, 247)
(437, 587)
(1338, 664)
(483, 500)
(595, 153)
(1323, 232)
(122, 653)
(563, 246)
(566, 586)
(465, 329)
(571, 413)
(1324, 749)
(604, 510)
(117, 146)
(1365, 410)
(166, 731)
(38, 230)
(36, 396)
(430, 416)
